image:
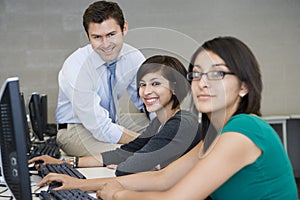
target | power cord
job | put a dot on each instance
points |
(2, 191)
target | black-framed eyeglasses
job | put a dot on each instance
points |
(213, 75)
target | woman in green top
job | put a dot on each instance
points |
(241, 156)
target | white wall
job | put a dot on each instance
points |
(37, 35)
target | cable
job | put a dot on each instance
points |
(10, 197)
(3, 185)
(5, 196)
(1, 192)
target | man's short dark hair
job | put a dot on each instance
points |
(100, 11)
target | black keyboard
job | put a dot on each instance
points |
(60, 169)
(51, 141)
(44, 149)
(49, 147)
(51, 130)
(75, 194)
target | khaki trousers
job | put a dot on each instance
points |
(78, 141)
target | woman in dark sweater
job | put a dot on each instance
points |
(162, 87)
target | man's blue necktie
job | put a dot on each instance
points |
(111, 83)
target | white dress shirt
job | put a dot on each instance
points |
(83, 90)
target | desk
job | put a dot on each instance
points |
(293, 131)
(95, 172)
(282, 120)
(290, 131)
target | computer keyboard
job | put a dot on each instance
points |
(51, 141)
(75, 194)
(44, 149)
(49, 147)
(60, 169)
(51, 130)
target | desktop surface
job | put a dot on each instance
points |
(94, 172)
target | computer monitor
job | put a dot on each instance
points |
(27, 131)
(35, 116)
(12, 139)
(44, 112)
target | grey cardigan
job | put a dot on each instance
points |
(157, 146)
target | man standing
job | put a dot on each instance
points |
(91, 81)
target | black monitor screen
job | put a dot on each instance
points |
(12, 140)
(35, 116)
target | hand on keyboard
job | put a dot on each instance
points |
(61, 181)
(107, 190)
(34, 165)
(45, 159)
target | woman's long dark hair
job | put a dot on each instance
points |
(172, 70)
(241, 61)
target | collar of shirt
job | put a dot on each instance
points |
(99, 62)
